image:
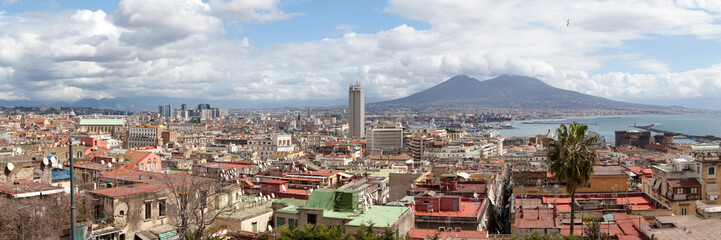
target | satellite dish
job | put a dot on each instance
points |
(272, 195)
(256, 199)
(270, 228)
(10, 166)
(54, 159)
(46, 161)
(110, 165)
(19, 151)
(102, 162)
(283, 188)
(60, 165)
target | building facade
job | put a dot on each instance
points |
(356, 112)
(143, 136)
(386, 138)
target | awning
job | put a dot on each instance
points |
(712, 189)
(657, 185)
(345, 175)
(146, 235)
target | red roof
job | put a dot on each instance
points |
(271, 181)
(537, 218)
(683, 183)
(467, 209)
(426, 233)
(144, 182)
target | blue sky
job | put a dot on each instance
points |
(640, 51)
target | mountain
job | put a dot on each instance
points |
(507, 92)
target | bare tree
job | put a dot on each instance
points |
(39, 217)
(194, 203)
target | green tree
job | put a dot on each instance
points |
(333, 232)
(537, 236)
(314, 232)
(571, 159)
(593, 230)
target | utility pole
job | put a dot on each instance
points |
(72, 190)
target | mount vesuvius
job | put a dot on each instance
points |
(506, 91)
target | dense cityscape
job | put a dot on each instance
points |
(360, 120)
(205, 172)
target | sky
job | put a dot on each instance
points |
(656, 51)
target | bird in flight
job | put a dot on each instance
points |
(568, 22)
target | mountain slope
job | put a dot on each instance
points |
(507, 92)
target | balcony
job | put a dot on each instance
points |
(683, 197)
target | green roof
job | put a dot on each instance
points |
(343, 204)
(101, 122)
(329, 199)
(291, 205)
(380, 216)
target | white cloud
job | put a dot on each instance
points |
(177, 49)
(652, 65)
(260, 11)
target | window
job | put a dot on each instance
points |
(204, 198)
(312, 218)
(183, 200)
(161, 208)
(292, 222)
(148, 209)
(684, 210)
(711, 171)
(280, 222)
(255, 226)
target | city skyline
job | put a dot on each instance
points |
(645, 52)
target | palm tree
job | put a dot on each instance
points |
(571, 159)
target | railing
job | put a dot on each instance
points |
(683, 197)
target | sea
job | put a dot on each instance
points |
(691, 124)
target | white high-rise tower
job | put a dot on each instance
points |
(356, 111)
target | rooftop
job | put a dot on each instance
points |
(466, 209)
(417, 233)
(538, 217)
(683, 227)
(28, 189)
(335, 206)
(101, 122)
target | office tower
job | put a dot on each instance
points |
(203, 106)
(356, 112)
(184, 107)
(165, 110)
(386, 138)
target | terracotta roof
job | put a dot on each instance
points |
(683, 183)
(417, 233)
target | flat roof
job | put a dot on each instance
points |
(29, 189)
(102, 122)
(466, 209)
(683, 183)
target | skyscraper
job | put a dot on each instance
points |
(203, 106)
(165, 110)
(356, 111)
